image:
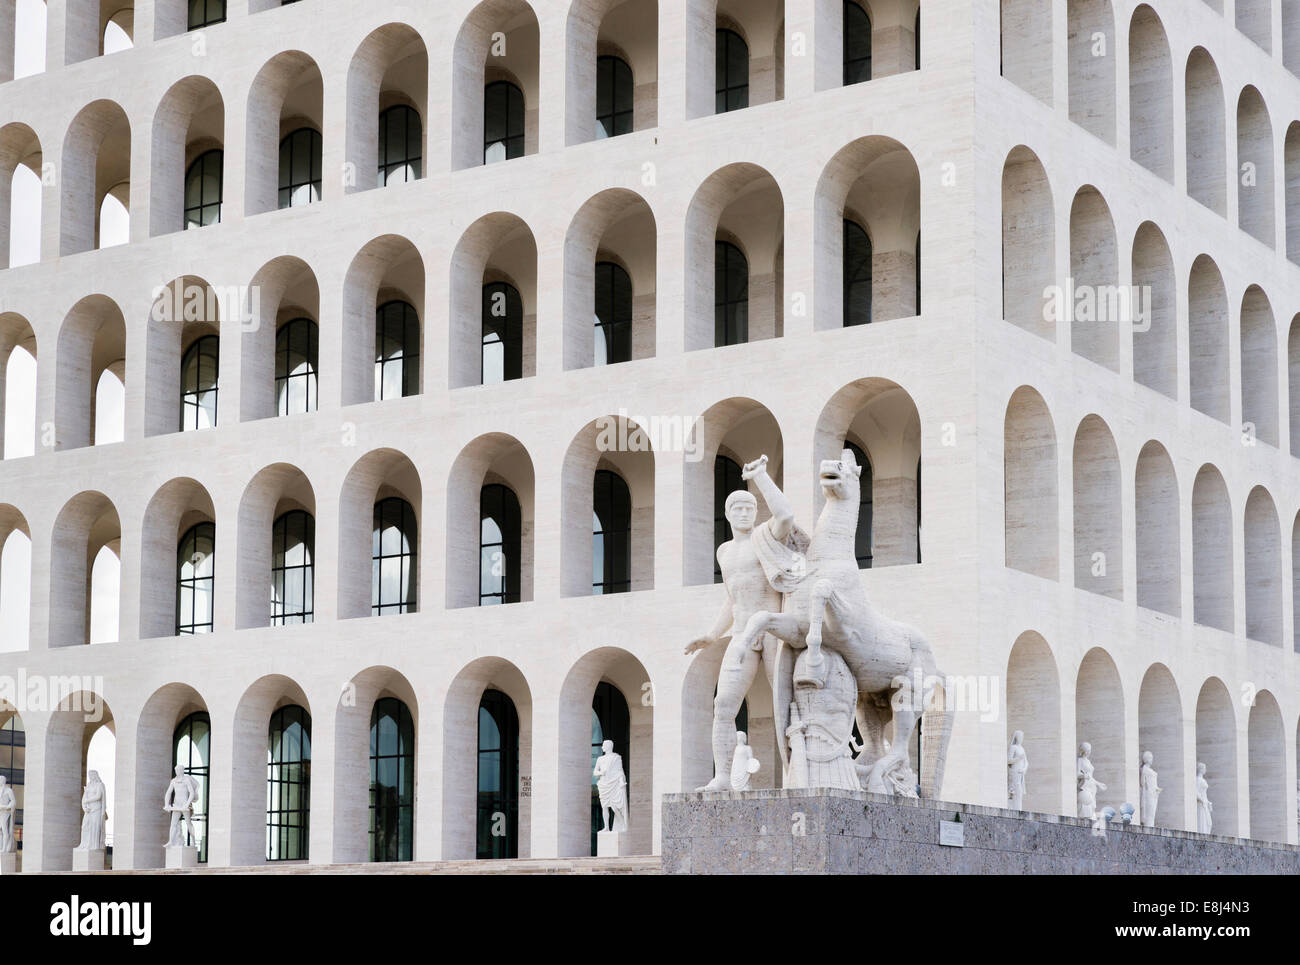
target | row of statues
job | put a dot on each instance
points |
(1148, 785)
(179, 800)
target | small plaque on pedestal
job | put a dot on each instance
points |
(9, 863)
(91, 860)
(612, 844)
(182, 856)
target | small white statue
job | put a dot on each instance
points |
(1149, 790)
(94, 815)
(820, 729)
(1204, 809)
(7, 806)
(743, 763)
(1088, 785)
(1017, 764)
(611, 784)
(178, 801)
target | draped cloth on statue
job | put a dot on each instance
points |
(782, 560)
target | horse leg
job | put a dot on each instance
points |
(908, 706)
(822, 594)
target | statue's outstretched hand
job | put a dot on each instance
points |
(752, 469)
(699, 643)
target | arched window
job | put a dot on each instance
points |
(397, 350)
(203, 187)
(191, 749)
(611, 535)
(288, 784)
(610, 721)
(205, 13)
(614, 89)
(613, 314)
(498, 777)
(499, 545)
(194, 579)
(300, 155)
(731, 72)
(503, 122)
(392, 781)
(726, 480)
(862, 539)
(293, 547)
(296, 346)
(857, 274)
(394, 557)
(199, 372)
(503, 333)
(399, 145)
(730, 295)
(857, 43)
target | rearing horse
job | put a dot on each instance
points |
(826, 605)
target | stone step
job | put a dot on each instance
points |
(639, 865)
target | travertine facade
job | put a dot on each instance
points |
(1101, 552)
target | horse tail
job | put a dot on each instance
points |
(936, 730)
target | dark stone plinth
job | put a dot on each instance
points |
(828, 831)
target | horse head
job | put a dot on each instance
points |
(839, 478)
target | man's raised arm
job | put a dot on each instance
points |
(782, 521)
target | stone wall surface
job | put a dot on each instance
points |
(828, 831)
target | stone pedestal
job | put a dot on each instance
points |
(9, 863)
(182, 856)
(92, 860)
(613, 844)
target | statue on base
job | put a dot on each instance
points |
(1149, 790)
(611, 785)
(820, 731)
(811, 599)
(743, 763)
(178, 801)
(1088, 785)
(94, 815)
(8, 804)
(1017, 764)
(1204, 809)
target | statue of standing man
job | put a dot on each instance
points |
(8, 803)
(1017, 764)
(179, 800)
(611, 785)
(1149, 790)
(749, 591)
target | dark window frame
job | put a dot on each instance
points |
(397, 323)
(288, 785)
(497, 499)
(392, 806)
(614, 311)
(201, 771)
(303, 139)
(611, 534)
(188, 623)
(614, 77)
(730, 294)
(731, 93)
(514, 120)
(407, 556)
(198, 395)
(497, 777)
(293, 365)
(196, 214)
(509, 334)
(282, 571)
(410, 161)
(857, 27)
(858, 274)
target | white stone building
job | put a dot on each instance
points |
(1093, 518)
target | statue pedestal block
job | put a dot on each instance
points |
(9, 863)
(613, 844)
(182, 856)
(92, 860)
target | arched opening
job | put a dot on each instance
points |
(1159, 567)
(278, 374)
(1266, 761)
(388, 81)
(1259, 410)
(1263, 558)
(1254, 167)
(870, 188)
(495, 94)
(269, 780)
(1160, 731)
(1030, 498)
(1207, 335)
(613, 68)
(21, 164)
(497, 822)
(1034, 708)
(84, 572)
(383, 304)
(25, 56)
(1099, 720)
(1026, 51)
(1028, 242)
(1155, 328)
(1090, 46)
(1212, 550)
(283, 146)
(1098, 526)
(188, 159)
(15, 579)
(96, 167)
(17, 386)
(174, 730)
(1151, 94)
(392, 781)
(80, 738)
(489, 500)
(1097, 312)
(177, 560)
(610, 276)
(1216, 748)
(493, 317)
(1207, 157)
(277, 550)
(379, 520)
(183, 357)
